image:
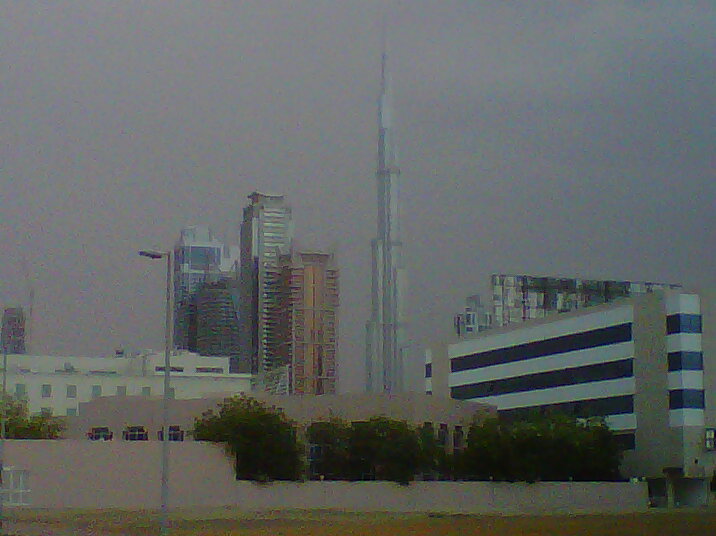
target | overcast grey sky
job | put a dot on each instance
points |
(552, 138)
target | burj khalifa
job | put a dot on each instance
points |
(385, 331)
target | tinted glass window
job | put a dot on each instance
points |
(203, 258)
(557, 345)
(545, 380)
(686, 361)
(613, 405)
(683, 324)
(686, 398)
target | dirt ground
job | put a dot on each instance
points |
(233, 523)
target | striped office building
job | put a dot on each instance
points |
(639, 362)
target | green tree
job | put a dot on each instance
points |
(20, 425)
(431, 454)
(384, 449)
(601, 453)
(487, 455)
(329, 443)
(262, 440)
(552, 447)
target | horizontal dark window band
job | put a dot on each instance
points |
(545, 380)
(557, 345)
(687, 399)
(683, 323)
(686, 361)
(595, 407)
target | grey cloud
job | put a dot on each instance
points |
(570, 138)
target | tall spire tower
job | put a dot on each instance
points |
(385, 331)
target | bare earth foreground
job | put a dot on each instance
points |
(293, 523)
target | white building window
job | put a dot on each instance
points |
(146, 391)
(96, 391)
(121, 390)
(71, 391)
(46, 390)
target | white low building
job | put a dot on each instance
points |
(58, 384)
(646, 363)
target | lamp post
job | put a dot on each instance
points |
(3, 420)
(153, 254)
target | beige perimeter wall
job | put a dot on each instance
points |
(87, 474)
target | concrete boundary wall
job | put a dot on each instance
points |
(86, 474)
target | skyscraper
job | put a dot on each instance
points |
(266, 233)
(306, 320)
(217, 321)
(199, 258)
(385, 331)
(13, 330)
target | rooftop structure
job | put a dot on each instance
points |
(57, 384)
(517, 298)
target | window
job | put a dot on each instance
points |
(443, 435)
(611, 370)
(458, 438)
(710, 439)
(557, 345)
(100, 433)
(20, 390)
(46, 390)
(215, 370)
(686, 398)
(683, 323)
(121, 390)
(686, 361)
(96, 391)
(46, 412)
(135, 433)
(146, 391)
(171, 393)
(71, 391)
(203, 257)
(171, 369)
(71, 412)
(175, 434)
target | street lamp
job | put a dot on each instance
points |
(3, 420)
(154, 254)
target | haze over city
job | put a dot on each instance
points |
(554, 138)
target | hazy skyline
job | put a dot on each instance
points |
(549, 138)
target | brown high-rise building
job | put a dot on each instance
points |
(306, 325)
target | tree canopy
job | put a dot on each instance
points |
(262, 440)
(20, 425)
(377, 449)
(551, 447)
